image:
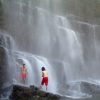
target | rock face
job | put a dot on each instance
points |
(18, 92)
(90, 88)
(3, 64)
(31, 93)
(5, 59)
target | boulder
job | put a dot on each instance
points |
(31, 93)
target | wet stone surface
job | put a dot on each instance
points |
(31, 93)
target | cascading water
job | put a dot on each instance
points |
(6, 65)
(34, 64)
(67, 47)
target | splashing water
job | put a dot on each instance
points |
(34, 65)
(69, 49)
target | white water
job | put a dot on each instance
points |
(69, 49)
(34, 65)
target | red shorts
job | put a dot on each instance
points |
(23, 76)
(44, 81)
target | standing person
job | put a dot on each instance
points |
(44, 77)
(24, 73)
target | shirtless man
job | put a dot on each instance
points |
(24, 73)
(44, 77)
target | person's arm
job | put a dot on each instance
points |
(42, 74)
(26, 71)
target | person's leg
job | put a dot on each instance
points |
(46, 87)
(24, 78)
(42, 83)
(46, 82)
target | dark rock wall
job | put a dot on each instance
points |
(3, 67)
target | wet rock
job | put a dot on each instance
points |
(3, 69)
(31, 93)
(90, 88)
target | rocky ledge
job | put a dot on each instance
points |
(31, 93)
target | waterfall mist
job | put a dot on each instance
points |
(49, 33)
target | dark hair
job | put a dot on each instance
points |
(23, 64)
(43, 68)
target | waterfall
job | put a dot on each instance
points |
(34, 64)
(46, 35)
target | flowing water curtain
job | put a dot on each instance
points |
(7, 46)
